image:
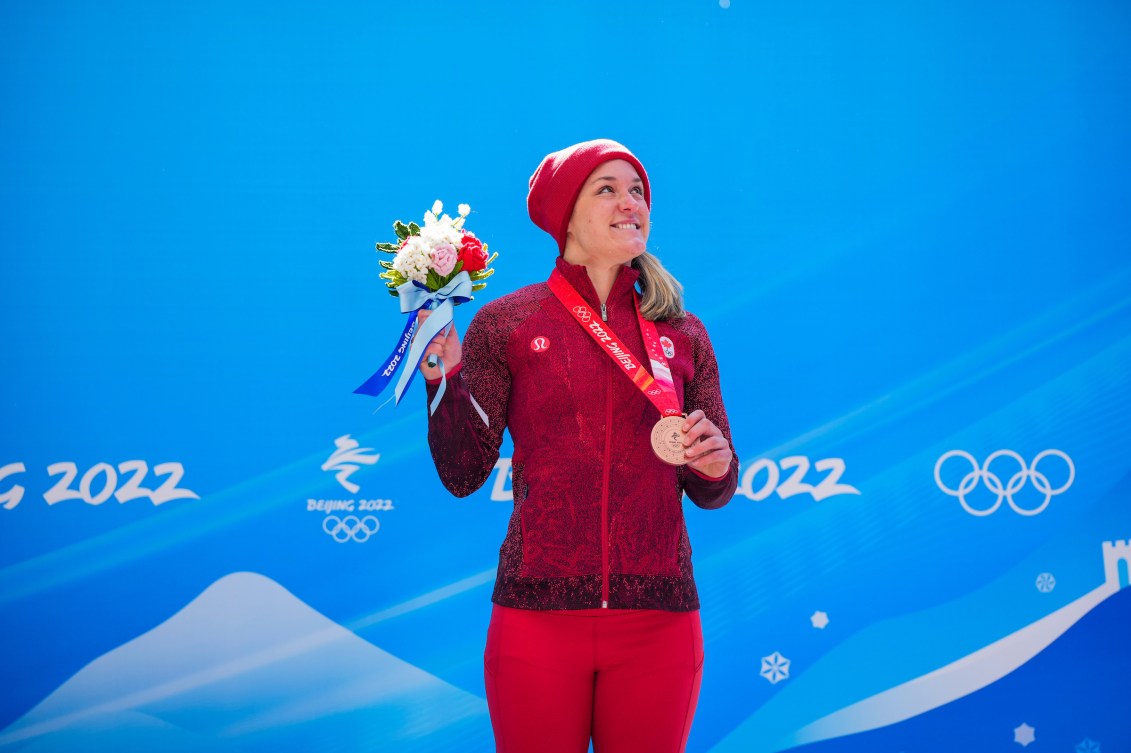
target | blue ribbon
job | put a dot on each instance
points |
(413, 297)
(375, 384)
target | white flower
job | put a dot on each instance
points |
(437, 207)
(464, 210)
(439, 232)
(413, 259)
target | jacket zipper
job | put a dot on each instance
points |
(604, 314)
(605, 485)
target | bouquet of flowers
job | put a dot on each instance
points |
(435, 267)
(434, 254)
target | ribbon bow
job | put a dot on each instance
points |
(415, 296)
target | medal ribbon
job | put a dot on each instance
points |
(658, 387)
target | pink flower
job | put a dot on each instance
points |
(444, 259)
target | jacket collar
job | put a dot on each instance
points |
(578, 277)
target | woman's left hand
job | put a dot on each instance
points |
(707, 451)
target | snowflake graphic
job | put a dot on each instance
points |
(1087, 745)
(819, 620)
(775, 668)
(1045, 582)
(1023, 734)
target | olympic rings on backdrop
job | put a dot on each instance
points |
(583, 313)
(993, 481)
(350, 527)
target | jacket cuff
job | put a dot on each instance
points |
(455, 370)
(711, 493)
(705, 477)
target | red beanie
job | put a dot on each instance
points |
(556, 184)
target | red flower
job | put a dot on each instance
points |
(472, 253)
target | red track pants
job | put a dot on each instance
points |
(627, 678)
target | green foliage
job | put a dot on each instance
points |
(394, 279)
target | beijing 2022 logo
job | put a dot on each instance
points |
(982, 474)
(340, 523)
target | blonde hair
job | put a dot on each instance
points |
(661, 293)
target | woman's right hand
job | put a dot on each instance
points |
(446, 347)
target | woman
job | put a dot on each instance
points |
(595, 630)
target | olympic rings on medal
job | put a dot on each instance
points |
(583, 313)
(993, 481)
(351, 527)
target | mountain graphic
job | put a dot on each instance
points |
(771, 729)
(956, 679)
(246, 666)
(1084, 681)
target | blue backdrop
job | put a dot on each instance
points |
(905, 226)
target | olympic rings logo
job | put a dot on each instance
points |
(350, 527)
(583, 313)
(993, 482)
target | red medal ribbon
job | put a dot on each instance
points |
(660, 390)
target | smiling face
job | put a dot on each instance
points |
(609, 224)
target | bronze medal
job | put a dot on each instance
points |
(667, 440)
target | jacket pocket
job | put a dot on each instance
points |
(645, 539)
(560, 538)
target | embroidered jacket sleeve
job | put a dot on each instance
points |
(465, 446)
(704, 393)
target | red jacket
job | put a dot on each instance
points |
(598, 519)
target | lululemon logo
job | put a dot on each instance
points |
(540, 343)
